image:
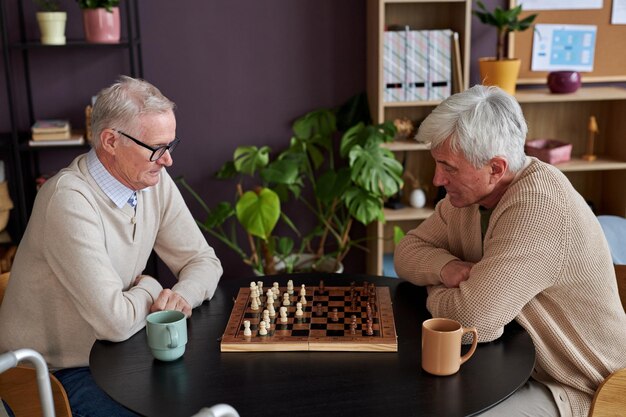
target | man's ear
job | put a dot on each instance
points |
(109, 141)
(498, 167)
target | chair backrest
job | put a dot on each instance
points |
(614, 228)
(18, 387)
(610, 397)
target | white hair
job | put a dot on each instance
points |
(481, 122)
(120, 106)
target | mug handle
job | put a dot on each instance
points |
(469, 354)
(174, 337)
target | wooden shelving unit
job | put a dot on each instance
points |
(565, 117)
(418, 15)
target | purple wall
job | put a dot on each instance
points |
(240, 71)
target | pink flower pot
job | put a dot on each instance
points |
(102, 26)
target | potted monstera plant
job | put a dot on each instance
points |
(501, 70)
(101, 20)
(337, 184)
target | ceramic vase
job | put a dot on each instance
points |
(52, 27)
(102, 26)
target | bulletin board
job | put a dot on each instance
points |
(610, 52)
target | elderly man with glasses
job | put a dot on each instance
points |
(78, 273)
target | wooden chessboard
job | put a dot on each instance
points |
(316, 330)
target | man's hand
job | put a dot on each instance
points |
(455, 272)
(170, 300)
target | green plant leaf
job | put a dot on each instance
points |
(227, 171)
(332, 184)
(222, 212)
(398, 234)
(376, 170)
(258, 213)
(249, 159)
(284, 246)
(319, 122)
(364, 207)
(283, 171)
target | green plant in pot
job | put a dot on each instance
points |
(101, 20)
(502, 71)
(337, 183)
(51, 20)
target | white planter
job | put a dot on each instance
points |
(52, 27)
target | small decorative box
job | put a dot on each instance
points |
(549, 150)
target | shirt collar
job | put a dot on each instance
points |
(115, 190)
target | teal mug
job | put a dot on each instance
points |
(167, 334)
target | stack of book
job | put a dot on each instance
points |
(54, 133)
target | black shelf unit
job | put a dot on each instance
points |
(23, 165)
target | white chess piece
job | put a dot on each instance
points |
(303, 291)
(266, 316)
(276, 290)
(272, 311)
(299, 312)
(270, 296)
(286, 301)
(283, 314)
(290, 286)
(303, 300)
(259, 285)
(262, 329)
(254, 304)
(246, 328)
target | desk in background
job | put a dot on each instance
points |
(304, 384)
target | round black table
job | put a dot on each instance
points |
(283, 384)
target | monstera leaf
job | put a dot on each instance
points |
(376, 170)
(249, 159)
(258, 212)
(363, 206)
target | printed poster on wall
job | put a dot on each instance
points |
(560, 4)
(563, 47)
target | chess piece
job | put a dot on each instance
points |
(370, 328)
(283, 314)
(266, 316)
(276, 290)
(353, 325)
(290, 287)
(272, 311)
(321, 287)
(270, 296)
(286, 301)
(262, 329)
(303, 300)
(254, 304)
(299, 312)
(303, 291)
(319, 311)
(334, 317)
(246, 328)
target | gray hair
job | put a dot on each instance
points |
(120, 105)
(481, 122)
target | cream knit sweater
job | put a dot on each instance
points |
(71, 282)
(546, 264)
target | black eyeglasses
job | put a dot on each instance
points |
(156, 152)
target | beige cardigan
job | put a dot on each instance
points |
(71, 282)
(546, 264)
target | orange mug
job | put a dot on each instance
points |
(441, 346)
